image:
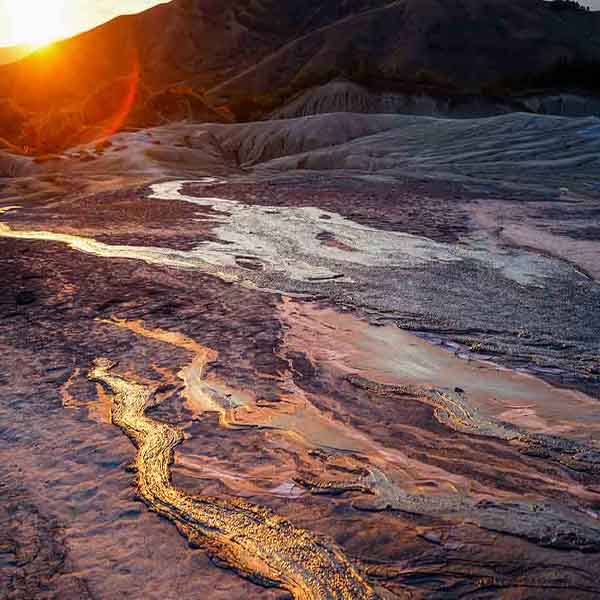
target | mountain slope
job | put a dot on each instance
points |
(204, 40)
(466, 43)
(10, 54)
(213, 60)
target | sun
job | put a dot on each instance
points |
(36, 22)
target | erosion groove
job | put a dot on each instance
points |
(250, 539)
(544, 523)
(452, 409)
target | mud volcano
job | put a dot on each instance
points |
(318, 371)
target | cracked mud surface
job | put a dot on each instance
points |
(430, 469)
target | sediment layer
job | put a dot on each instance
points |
(248, 538)
(453, 409)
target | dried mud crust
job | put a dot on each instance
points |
(453, 409)
(400, 418)
(55, 298)
(50, 306)
(52, 297)
(33, 557)
(549, 328)
(419, 208)
(121, 216)
(51, 303)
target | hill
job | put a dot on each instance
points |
(10, 54)
(209, 60)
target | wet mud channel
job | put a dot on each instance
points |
(313, 406)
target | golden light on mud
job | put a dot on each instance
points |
(250, 539)
(36, 22)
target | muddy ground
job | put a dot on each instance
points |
(409, 368)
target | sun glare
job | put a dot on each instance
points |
(36, 22)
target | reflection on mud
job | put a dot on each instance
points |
(385, 478)
(250, 539)
(392, 356)
(373, 357)
(199, 396)
(156, 256)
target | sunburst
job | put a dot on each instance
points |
(35, 22)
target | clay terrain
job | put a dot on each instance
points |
(300, 300)
(338, 356)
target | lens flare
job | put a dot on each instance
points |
(120, 116)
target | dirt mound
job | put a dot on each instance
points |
(535, 152)
(258, 142)
(341, 95)
(345, 96)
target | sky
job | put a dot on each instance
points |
(38, 22)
